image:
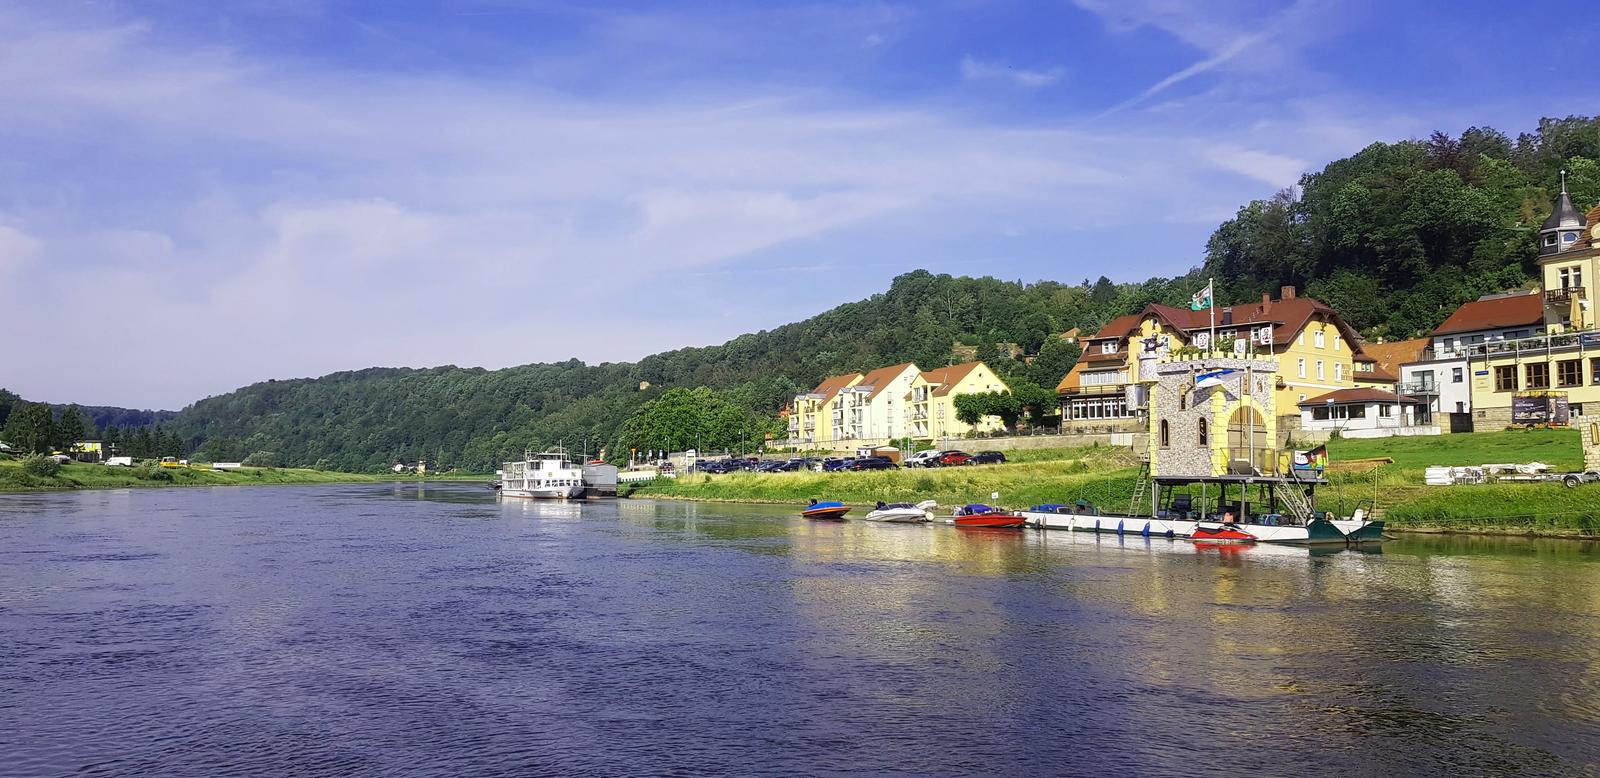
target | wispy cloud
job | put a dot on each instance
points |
(298, 215)
(978, 70)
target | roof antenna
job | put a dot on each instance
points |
(1563, 182)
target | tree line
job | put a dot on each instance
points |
(40, 428)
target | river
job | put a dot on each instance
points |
(399, 629)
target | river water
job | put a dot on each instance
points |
(397, 629)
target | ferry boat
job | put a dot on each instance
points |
(548, 475)
(1282, 510)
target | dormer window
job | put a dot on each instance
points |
(1569, 237)
(1108, 347)
(1550, 240)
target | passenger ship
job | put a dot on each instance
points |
(548, 475)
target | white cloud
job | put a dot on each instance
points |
(295, 220)
(979, 70)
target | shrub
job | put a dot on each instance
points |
(152, 471)
(261, 459)
(40, 465)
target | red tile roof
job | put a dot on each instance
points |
(880, 379)
(1287, 317)
(1495, 313)
(1357, 395)
(946, 378)
(831, 385)
(1388, 357)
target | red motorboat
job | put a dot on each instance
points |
(1221, 533)
(985, 516)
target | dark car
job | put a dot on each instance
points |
(951, 459)
(775, 466)
(873, 463)
(987, 458)
(835, 465)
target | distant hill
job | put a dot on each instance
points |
(1394, 237)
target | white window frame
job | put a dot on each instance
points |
(1338, 372)
(1302, 369)
(1318, 338)
(1321, 373)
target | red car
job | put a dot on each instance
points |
(950, 458)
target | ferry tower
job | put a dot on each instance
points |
(1211, 413)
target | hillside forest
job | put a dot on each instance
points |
(1395, 237)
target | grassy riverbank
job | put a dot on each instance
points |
(75, 475)
(1105, 476)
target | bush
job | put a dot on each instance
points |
(261, 459)
(40, 465)
(152, 471)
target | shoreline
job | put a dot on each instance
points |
(94, 477)
(1490, 531)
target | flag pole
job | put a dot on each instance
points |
(1211, 307)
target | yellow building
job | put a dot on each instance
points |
(811, 414)
(1563, 362)
(932, 401)
(1314, 346)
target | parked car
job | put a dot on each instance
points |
(774, 466)
(987, 458)
(873, 463)
(951, 459)
(923, 458)
(831, 465)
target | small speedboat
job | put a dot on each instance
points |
(904, 512)
(1220, 533)
(986, 516)
(828, 511)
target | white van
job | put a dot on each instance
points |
(119, 461)
(922, 458)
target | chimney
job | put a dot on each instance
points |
(1287, 293)
(1266, 298)
(1227, 315)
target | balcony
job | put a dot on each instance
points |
(1412, 388)
(1563, 295)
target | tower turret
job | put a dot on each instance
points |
(1564, 228)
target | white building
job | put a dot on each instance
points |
(877, 407)
(1364, 413)
(1443, 375)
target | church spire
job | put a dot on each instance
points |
(1561, 231)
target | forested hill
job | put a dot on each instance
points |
(471, 417)
(1395, 237)
(1398, 235)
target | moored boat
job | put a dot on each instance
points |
(826, 511)
(903, 513)
(1221, 533)
(548, 475)
(987, 516)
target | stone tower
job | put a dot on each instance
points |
(1212, 414)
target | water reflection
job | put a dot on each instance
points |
(435, 629)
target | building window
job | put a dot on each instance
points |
(1457, 375)
(1338, 371)
(1203, 432)
(1318, 336)
(1302, 398)
(1336, 340)
(1550, 240)
(1302, 339)
(1594, 370)
(1166, 439)
(1569, 372)
(1358, 411)
(1321, 413)
(1108, 347)
(1461, 407)
(1386, 410)
(1538, 375)
(1303, 372)
(1505, 378)
(1321, 374)
(1571, 277)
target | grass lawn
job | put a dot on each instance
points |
(77, 475)
(1105, 476)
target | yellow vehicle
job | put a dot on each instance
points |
(172, 462)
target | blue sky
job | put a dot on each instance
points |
(197, 196)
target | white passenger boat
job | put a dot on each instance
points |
(1283, 511)
(547, 475)
(904, 512)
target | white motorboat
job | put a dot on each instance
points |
(904, 512)
(547, 475)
